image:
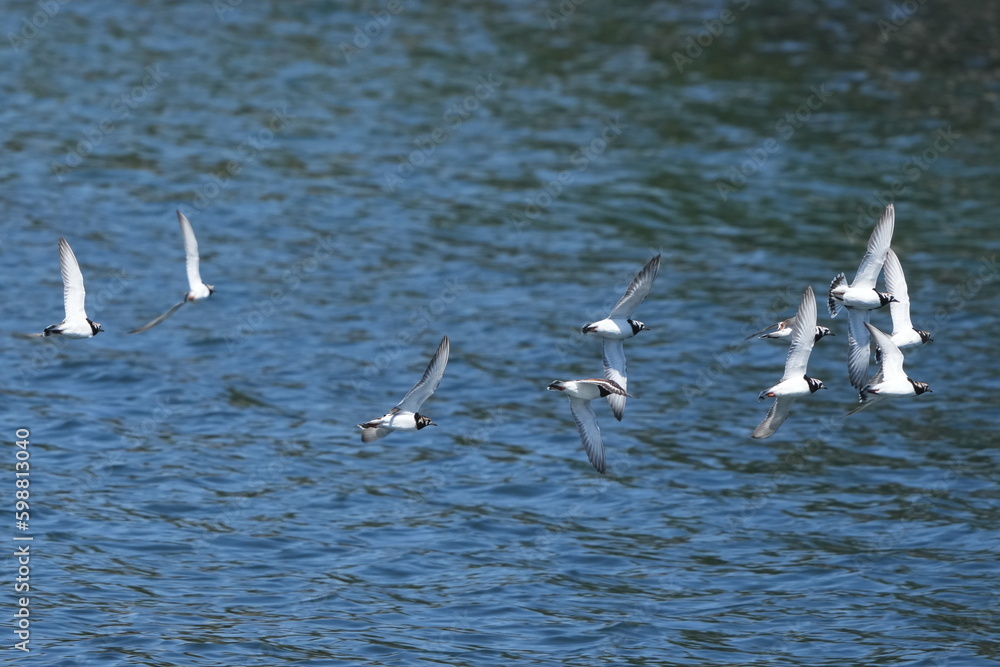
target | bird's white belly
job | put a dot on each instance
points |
(861, 298)
(792, 387)
(401, 421)
(905, 339)
(199, 293)
(901, 387)
(612, 329)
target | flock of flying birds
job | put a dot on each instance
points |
(859, 298)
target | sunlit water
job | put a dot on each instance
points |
(496, 173)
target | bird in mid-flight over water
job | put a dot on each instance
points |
(197, 290)
(581, 393)
(903, 333)
(861, 297)
(794, 383)
(75, 322)
(405, 416)
(890, 381)
(618, 326)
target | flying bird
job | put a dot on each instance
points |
(581, 393)
(75, 324)
(783, 330)
(890, 381)
(197, 289)
(903, 333)
(794, 382)
(618, 326)
(861, 297)
(405, 416)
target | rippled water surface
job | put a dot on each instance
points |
(365, 178)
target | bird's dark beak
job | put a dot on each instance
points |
(431, 424)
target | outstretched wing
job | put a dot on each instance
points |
(373, 434)
(775, 417)
(878, 246)
(869, 399)
(777, 326)
(74, 294)
(803, 336)
(892, 358)
(895, 284)
(858, 342)
(637, 290)
(428, 384)
(150, 325)
(590, 432)
(614, 370)
(191, 250)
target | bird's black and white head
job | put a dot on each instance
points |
(823, 331)
(95, 327)
(557, 385)
(637, 326)
(422, 421)
(885, 297)
(815, 384)
(920, 387)
(925, 336)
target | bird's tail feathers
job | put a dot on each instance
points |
(833, 303)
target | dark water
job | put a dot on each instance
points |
(496, 172)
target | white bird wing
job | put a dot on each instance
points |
(74, 294)
(859, 348)
(191, 250)
(803, 337)
(373, 434)
(775, 417)
(150, 325)
(590, 432)
(872, 399)
(895, 284)
(878, 245)
(637, 290)
(777, 326)
(892, 358)
(614, 370)
(430, 380)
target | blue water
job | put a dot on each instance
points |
(497, 173)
